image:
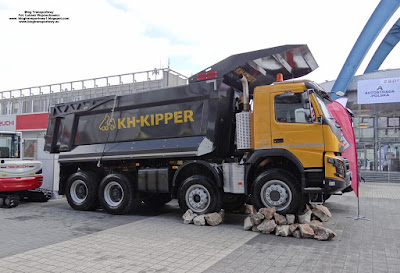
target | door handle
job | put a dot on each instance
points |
(278, 140)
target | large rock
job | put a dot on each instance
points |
(267, 226)
(305, 218)
(290, 218)
(280, 219)
(257, 218)
(322, 213)
(213, 219)
(248, 224)
(323, 234)
(268, 212)
(249, 209)
(297, 234)
(188, 217)
(199, 220)
(315, 223)
(282, 230)
(254, 228)
(293, 227)
(306, 231)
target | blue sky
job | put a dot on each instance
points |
(120, 36)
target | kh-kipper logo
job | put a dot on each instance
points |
(176, 117)
(107, 123)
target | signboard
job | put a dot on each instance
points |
(32, 121)
(378, 91)
(8, 123)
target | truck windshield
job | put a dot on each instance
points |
(330, 120)
(323, 107)
(9, 146)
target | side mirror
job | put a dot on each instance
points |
(305, 100)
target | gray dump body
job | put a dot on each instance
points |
(180, 121)
(186, 121)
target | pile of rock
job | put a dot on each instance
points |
(212, 219)
(309, 224)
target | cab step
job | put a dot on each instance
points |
(313, 190)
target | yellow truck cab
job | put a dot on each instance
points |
(296, 136)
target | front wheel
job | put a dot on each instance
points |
(117, 194)
(279, 189)
(200, 195)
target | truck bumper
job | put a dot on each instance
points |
(20, 183)
(333, 185)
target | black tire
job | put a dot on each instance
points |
(199, 194)
(117, 194)
(81, 190)
(277, 188)
(157, 201)
(232, 202)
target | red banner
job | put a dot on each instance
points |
(343, 118)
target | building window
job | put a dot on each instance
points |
(30, 146)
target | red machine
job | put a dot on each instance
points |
(19, 179)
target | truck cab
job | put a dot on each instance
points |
(295, 133)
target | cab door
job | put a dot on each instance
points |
(295, 127)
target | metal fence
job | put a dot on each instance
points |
(39, 98)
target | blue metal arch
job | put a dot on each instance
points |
(376, 22)
(388, 43)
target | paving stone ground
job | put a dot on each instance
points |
(51, 237)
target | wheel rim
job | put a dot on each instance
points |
(78, 191)
(198, 198)
(276, 193)
(113, 194)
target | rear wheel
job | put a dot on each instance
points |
(81, 191)
(200, 195)
(117, 194)
(277, 188)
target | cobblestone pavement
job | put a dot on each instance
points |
(51, 237)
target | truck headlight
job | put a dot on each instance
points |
(339, 165)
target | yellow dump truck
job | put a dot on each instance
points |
(232, 134)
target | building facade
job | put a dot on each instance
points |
(374, 98)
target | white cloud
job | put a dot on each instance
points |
(120, 36)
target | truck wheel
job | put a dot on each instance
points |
(200, 195)
(232, 202)
(276, 188)
(81, 191)
(117, 194)
(157, 201)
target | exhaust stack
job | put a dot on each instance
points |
(243, 120)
